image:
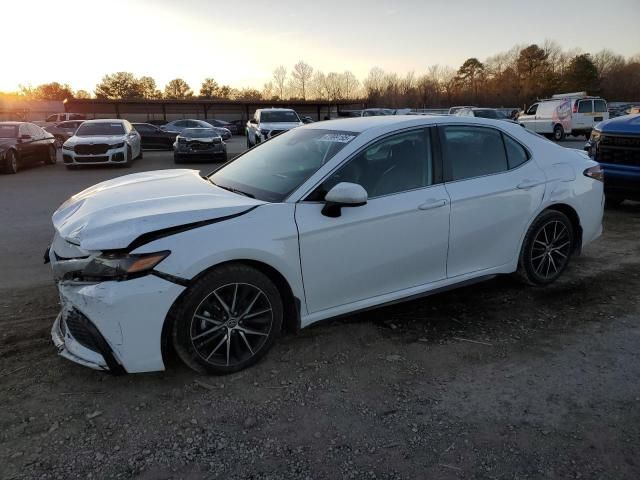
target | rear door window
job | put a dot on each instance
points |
(472, 152)
(600, 106)
(585, 106)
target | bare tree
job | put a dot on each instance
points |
(350, 85)
(280, 81)
(301, 75)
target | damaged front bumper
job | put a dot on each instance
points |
(109, 325)
(71, 349)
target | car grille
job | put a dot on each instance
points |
(78, 326)
(97, 158)
(97, 149)
(620, 150)
(197, 146)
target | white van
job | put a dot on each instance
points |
(565, 114)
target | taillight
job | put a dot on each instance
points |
(595, 172)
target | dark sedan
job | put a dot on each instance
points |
(63, 131)
(22, 143)
(232, 127)
(199, 143)
(154, 137)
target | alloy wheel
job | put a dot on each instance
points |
(550, 249)
(231, 324)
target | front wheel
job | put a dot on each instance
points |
(547, 248)
(558, 133)
(52, 155)
(227, 320)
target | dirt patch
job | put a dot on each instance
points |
(496, 380)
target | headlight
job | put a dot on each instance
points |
(264, 132)
(67, 147)
(118, 145)
(121, 266)
(595, 135)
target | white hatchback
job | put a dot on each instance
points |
(323, 220)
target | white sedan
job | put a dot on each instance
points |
(100, 142)
(323, 220)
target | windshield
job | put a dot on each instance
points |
(486, 114)
(199, 133)
(277, 167)
(102, 128)
(8, 131)
(278, 116)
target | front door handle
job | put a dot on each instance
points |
(431, 203)
(526, 184)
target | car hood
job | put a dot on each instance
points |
(279, 125)
(112, 214)
(75, 140)
(626, 124)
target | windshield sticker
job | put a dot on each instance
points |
(336, 137)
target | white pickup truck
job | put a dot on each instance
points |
(269, 122)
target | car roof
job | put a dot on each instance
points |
(276, 109)
(13, 123)
(103, 120)
(396, 122)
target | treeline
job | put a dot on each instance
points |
(513, 78)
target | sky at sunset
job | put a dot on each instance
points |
(240, 43)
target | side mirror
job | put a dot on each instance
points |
(26, 137)
(344, 194)
(253, 120)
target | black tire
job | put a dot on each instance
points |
(556, 228)
(11, 162)
(140, 155)
(612, 202)
(558, 133)
(177, 158)
(52, 157)
(227, 343)
(224, 157)
(248, 142)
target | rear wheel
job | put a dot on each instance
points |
(52, 155)
(248, 142)
(547, 248)
(11, 162)
(558, 133)
(227, 320)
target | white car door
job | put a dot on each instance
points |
(495, 188)
(396, 241)
(583, 118)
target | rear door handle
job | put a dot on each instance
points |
(429, 204)
(526, 184)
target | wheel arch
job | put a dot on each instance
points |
(291, 304)
(573, 216)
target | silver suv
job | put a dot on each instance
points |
(268, 122)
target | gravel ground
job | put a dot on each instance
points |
(496, 380)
